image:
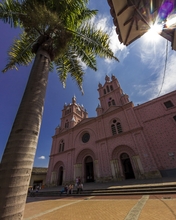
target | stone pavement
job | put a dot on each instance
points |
(136, 207)
(155, 207)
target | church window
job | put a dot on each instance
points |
(78, 111)
(113, 102)
(168, 104)
(68, 110)
(113, 129)
(66, 124)
(85, 137)
(61, 146)
(116, 127)
(119, 127)
(174, 117)
(107, 87)
(111, 87)
(104, 91)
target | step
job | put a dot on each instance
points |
(132, 191)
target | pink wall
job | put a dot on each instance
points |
(148, 140)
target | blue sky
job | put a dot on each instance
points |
(140, 73)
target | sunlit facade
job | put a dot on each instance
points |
(122, 142)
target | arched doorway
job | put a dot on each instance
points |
(60, 176)
(127, 167)
(89, 171)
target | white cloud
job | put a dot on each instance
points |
(120, 51)
(152, 51)
(115, 43)
(167, 79)
(105, 23)
(154, 55)
(41, 158)
(84, 66)
(148, 91)
(164, 82)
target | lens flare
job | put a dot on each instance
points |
(152, 35)
(171, 22)
(156, 28)
(165, 9)
(151, 6)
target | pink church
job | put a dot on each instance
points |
(122, 142)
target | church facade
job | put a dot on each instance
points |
(122, 142)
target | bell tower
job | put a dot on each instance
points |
(110, 94)
(72, 114)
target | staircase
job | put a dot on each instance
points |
(148, 189)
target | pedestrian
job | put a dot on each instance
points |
(80, 188)
(79, 180)
(70, 189)
(76, 182)
(37, 188)
(64, 190)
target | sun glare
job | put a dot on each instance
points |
(171, 22)
(153, 33)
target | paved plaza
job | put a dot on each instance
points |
(105, 207)
(142, 207)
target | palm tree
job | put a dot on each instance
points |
(56, 33)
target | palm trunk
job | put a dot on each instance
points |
(17, 162)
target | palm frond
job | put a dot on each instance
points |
(88, 14)
(20, 52)
(71, 12)
(93, 40)
(70, 64)
(10, 11)
(38, 17)
(62, 28)
(51, 68)
(88, 57)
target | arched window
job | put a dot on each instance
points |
(61, 146)
(107, 87)
(67, 124)
(68, 110)
(116, 127)
(111, 102)
(111, 87)
(119, 127)
(104, 91)
(113, 128)
(78, 111)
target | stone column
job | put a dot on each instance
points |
(139, 171)
(115, 169)
(53, 178)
